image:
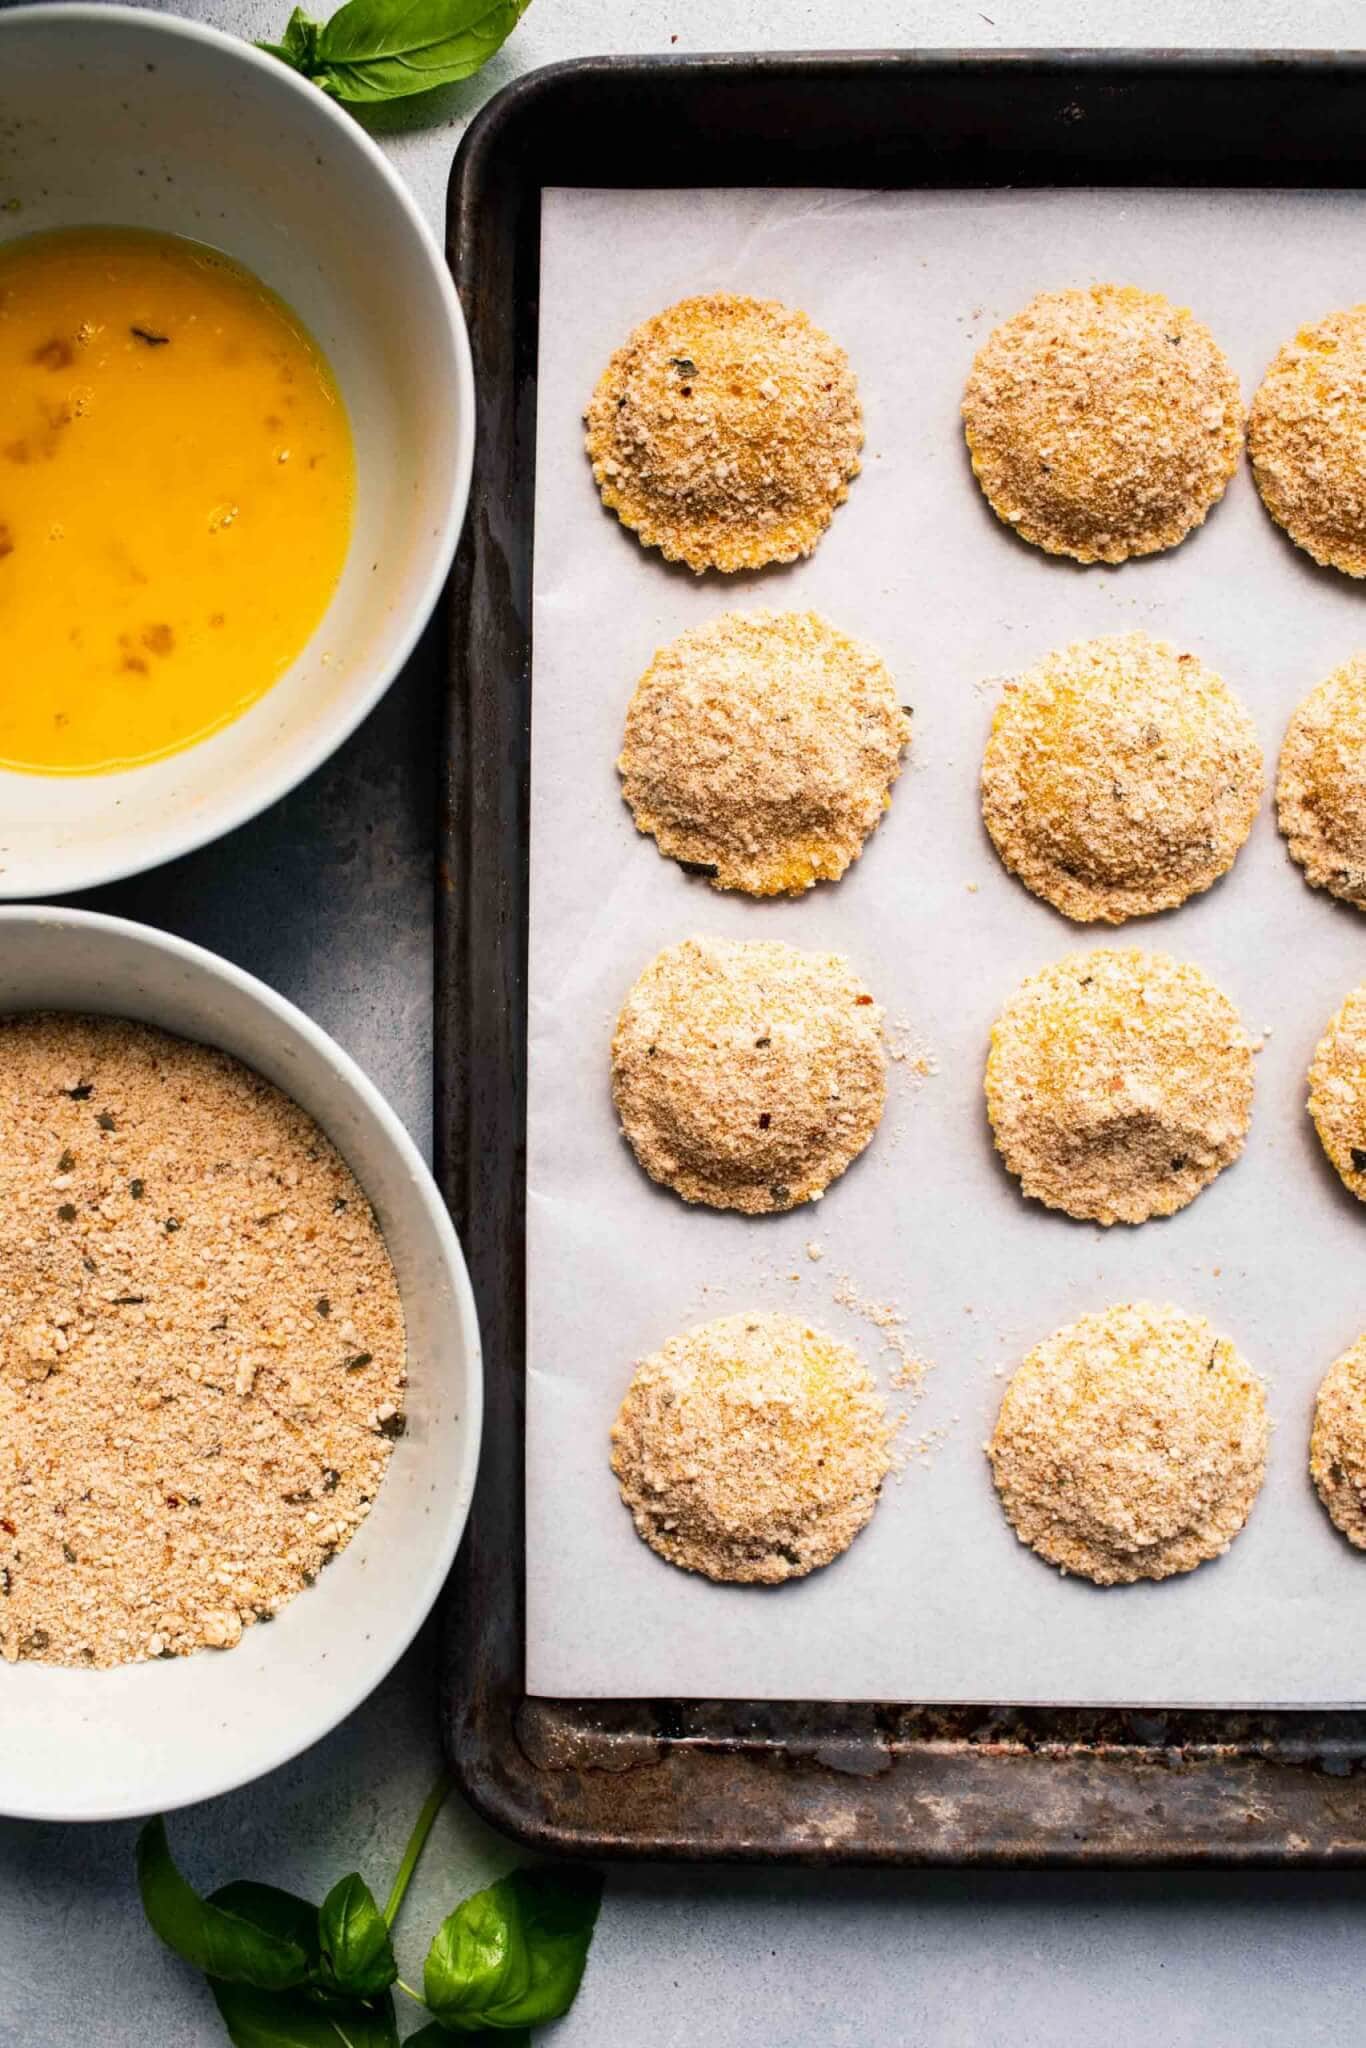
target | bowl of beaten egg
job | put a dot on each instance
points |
(239, 1374)
(236, 429)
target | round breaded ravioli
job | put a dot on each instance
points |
(1321, 785)
(1337, 1443)
(1119, 1083)
(1337, 1092)
(1307, 440)
(725, 432)
(746, 1074)
(760, 750)
(1120, 778)
(1103, 423)
(1130, 1445)
(751, 1449)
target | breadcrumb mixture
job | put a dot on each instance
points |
(725, 432)
(201, 1345)
(1130, 1445)
(751, 1449)
(1321, 785)
(760, 750)
(1337, 1443)
(1337, 1092)
(1307, 440)
(1119, 1083)
(1120, 778)
(1103, 423)
(747, 1074)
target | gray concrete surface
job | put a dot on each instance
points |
(326, 897)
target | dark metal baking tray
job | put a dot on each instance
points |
(817, 1782)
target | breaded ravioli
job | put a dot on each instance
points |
(1321, 784)
(1120, 778)
(725, 431)
(1337, 1092)
(751, 1449)
(748, 1074)
(1119, 1083)
(1307, 440)
(1130, 1445)
(1103, 423)
(760, 750)
(1337, 1443)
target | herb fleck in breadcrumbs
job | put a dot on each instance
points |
(180, 1450)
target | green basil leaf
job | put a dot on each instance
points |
(357, 1953)
(302, 2019)
(299, 45)
(513, 1956)
(375, 50)
(559, 1910)
(272, 1911)
(478, 1958)
(217, 1940)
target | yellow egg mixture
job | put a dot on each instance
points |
(176, 490)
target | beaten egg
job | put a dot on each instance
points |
(176, 490)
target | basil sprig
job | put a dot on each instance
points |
(375, 50)
(288, 1974)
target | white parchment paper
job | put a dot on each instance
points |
(936, 1601)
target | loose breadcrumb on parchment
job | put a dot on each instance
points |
(725, 431)
(1120, 777)
(1130, 1444)
(751, 1449)
(760, 750)
(201, 1345)
(1119, 1084)
(1102, 423)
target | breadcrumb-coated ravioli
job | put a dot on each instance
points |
(1337, 1443)
(1119, 1084)
(1337, 1092)
(1130, 1444)
(1120, 778)
(1103, 423)
(725, 431)
(1307, 440)
(751, 1449)
(748, 1074)
(1321, 784)
(760, 750)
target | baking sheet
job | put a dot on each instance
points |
(936, 1601)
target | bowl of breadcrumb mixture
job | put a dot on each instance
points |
(239, 1374)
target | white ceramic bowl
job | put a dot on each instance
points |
(113, 115)
(101, 1745)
